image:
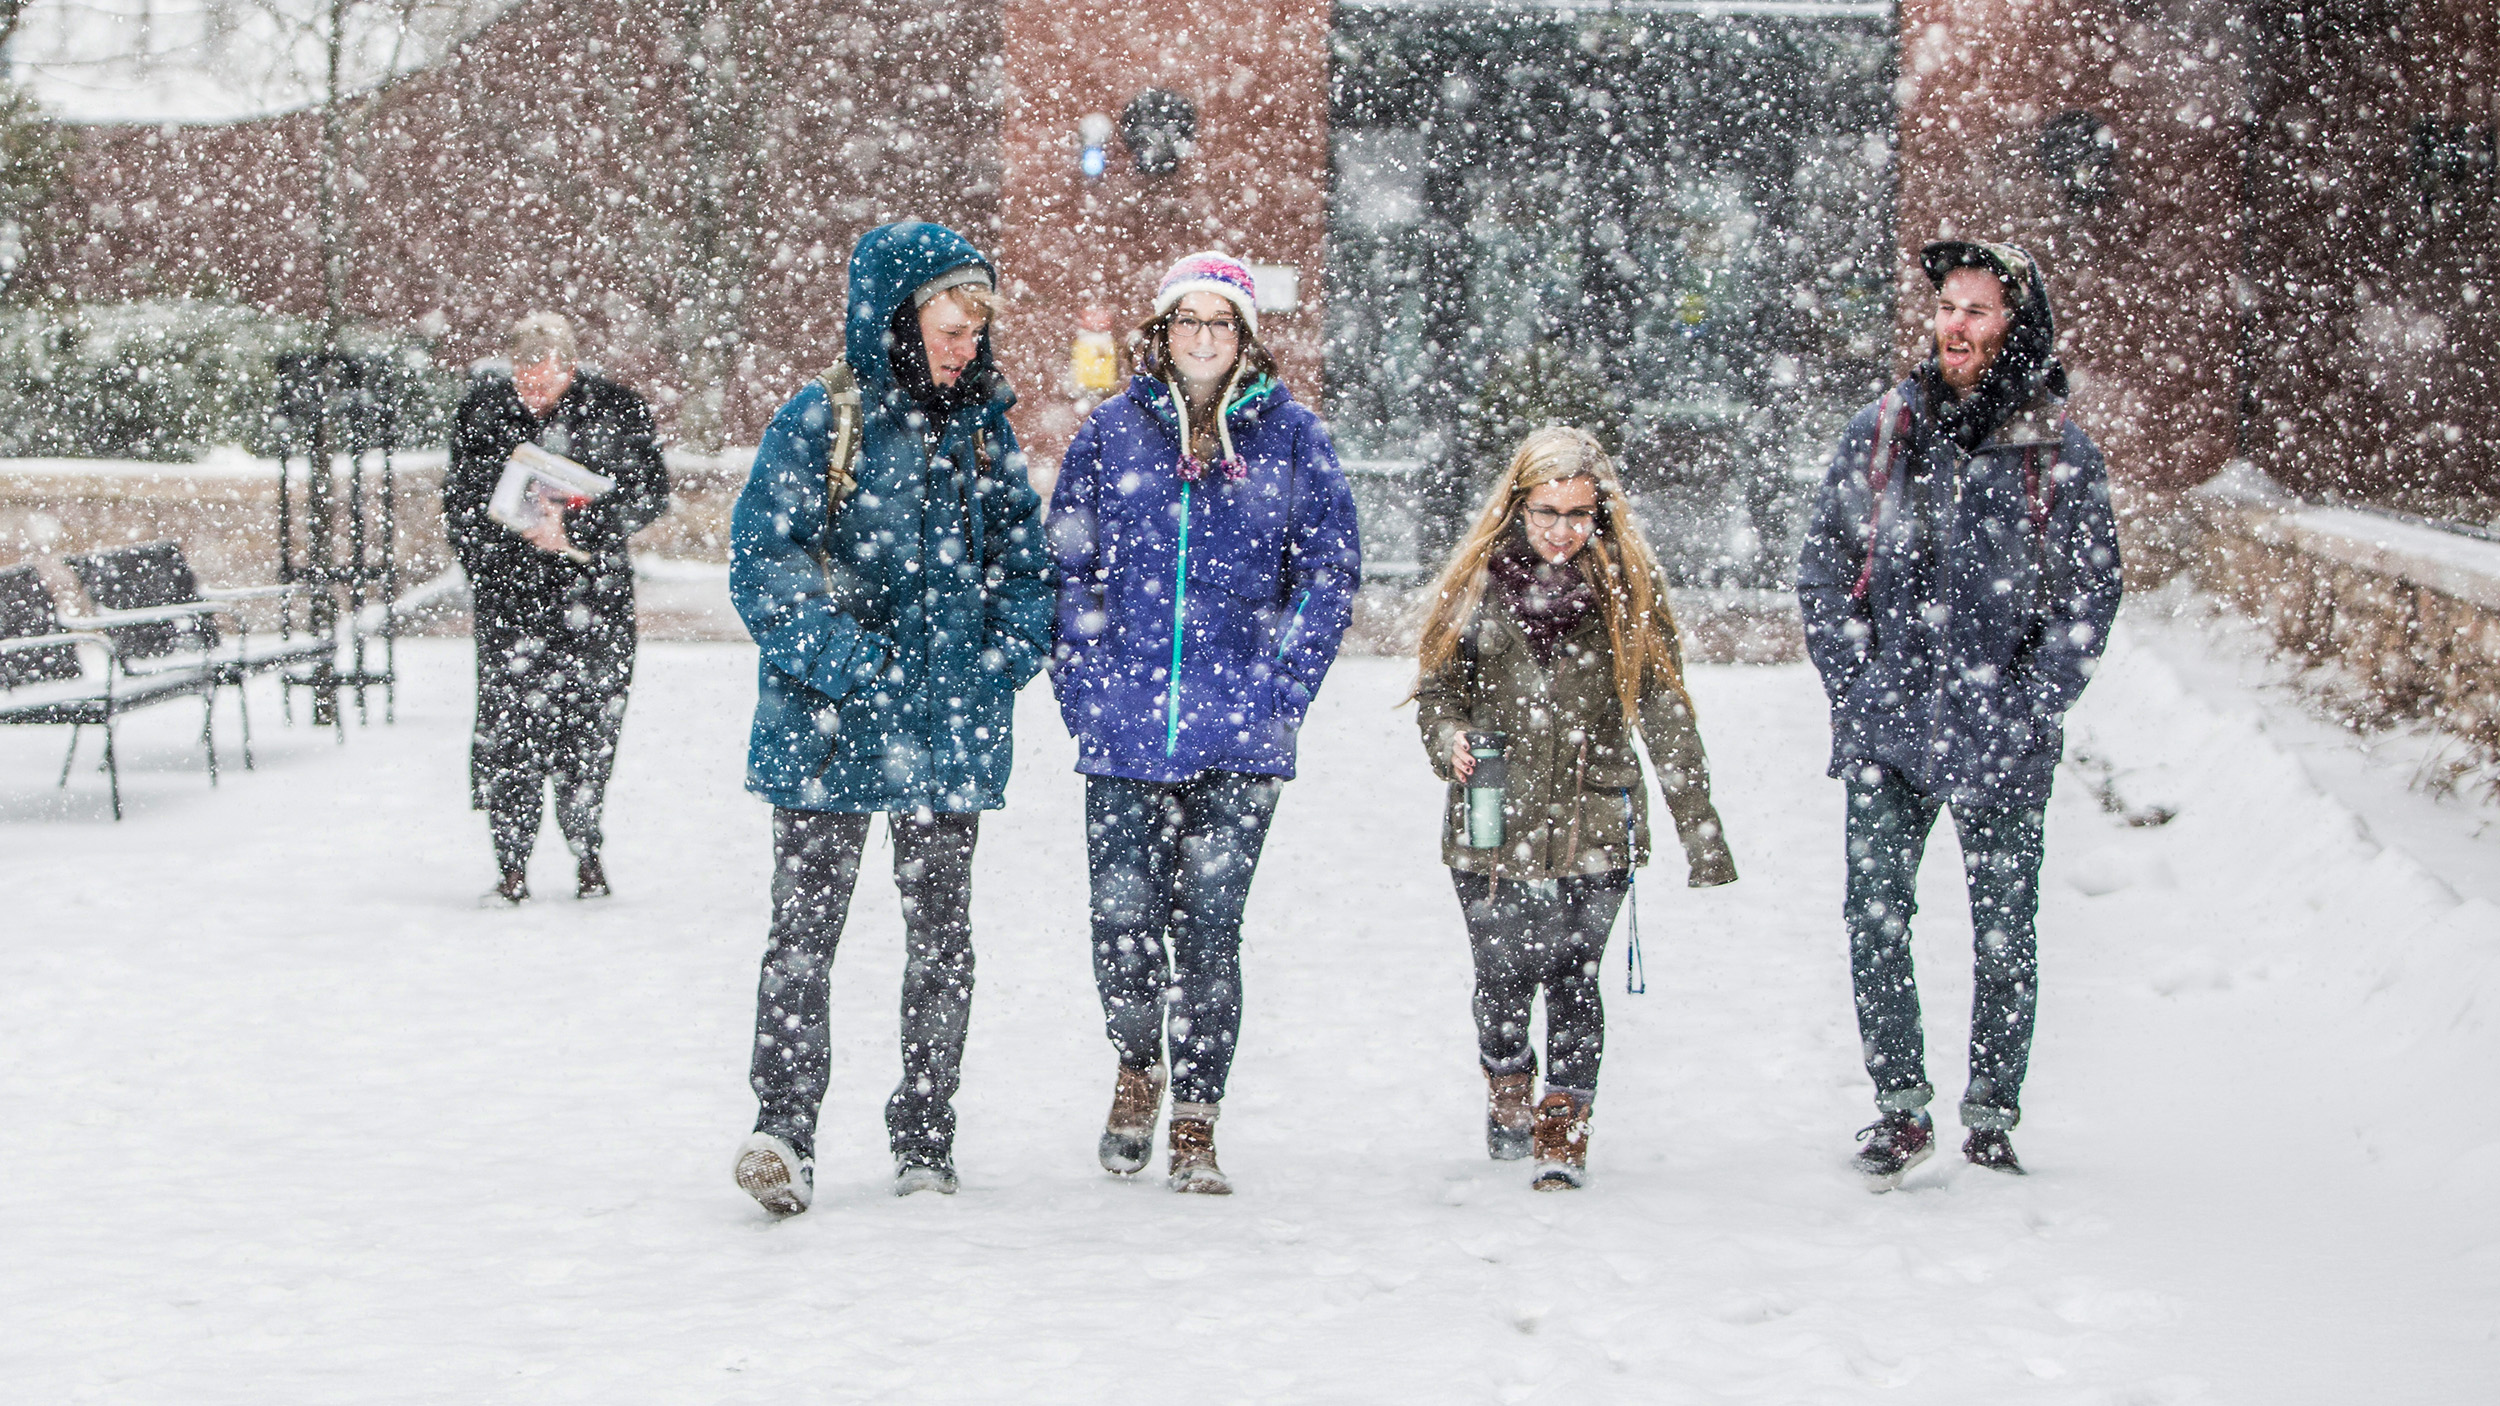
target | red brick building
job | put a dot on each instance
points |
(2283, 249)
(2270, 227)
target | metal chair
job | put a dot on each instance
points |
(157, 575)
(43, 680)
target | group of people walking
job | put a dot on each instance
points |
(1186, 589)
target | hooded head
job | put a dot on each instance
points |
(891, 264)
(2023, 367)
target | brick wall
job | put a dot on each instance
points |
(1256, 186)
(2268, 275)
(2142, 281)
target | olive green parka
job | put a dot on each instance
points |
(1575, 804)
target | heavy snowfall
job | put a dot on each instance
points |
(291, 1118)
(296, 1107)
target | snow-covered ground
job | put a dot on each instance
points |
(285, 1117)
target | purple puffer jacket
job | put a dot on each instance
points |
(1197, 619)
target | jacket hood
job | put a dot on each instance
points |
(888, 263)
(2026, 366)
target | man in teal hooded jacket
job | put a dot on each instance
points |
(896, 616)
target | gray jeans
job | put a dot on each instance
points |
(1887, 834)
(815, 866)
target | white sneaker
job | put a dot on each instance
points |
(780, 1180)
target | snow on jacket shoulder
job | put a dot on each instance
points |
(895, 630)
(1196, 620)
(1957, 619)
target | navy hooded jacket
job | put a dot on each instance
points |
(895, 634)
(1196, 620)
(1954, 623)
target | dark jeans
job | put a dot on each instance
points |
(548, 712)
(815, 864)
(1887, 834)
(1171, 868)
(1550, 935)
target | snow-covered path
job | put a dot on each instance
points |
(284, 1117)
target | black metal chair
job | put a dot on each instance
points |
(156, 575)
(44, 681)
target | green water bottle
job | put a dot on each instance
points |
(1485, 788)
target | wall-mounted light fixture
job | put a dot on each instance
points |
(2079, 154)
(1160, 128)
(2451, 162)
(1093, 141)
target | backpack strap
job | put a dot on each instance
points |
(1892, 430)
(842, 451)
(2038, 491)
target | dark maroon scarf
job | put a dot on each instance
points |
(1548, 600)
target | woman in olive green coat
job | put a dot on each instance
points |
(1548, 647)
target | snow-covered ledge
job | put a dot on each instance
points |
(2409, 612)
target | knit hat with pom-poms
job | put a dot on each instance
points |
(1221, 274)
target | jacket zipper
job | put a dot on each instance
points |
(1944, 633)
(1293, 627)
(1180, 620)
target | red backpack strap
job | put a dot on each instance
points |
(2040, 491)
(2039, 494)
(1892, 429)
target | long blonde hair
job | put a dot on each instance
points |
(1631, 591)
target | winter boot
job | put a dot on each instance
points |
(511, 893)
(1508, 1118)
(924, 1171)
(590, 881)
(1895, 1143)
(1193, 1151)
(1992, 1149)
(1561, 1136)
(771, 1171)
(1128, 1135)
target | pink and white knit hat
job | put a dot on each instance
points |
(1221, 274)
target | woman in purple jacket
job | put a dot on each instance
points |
(1208, 561)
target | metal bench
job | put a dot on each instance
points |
(44, 680)
(155, 576)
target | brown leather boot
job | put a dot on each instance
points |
(589, 879)
(1562, 1142)
(1193, 1151)
(514, 890)
(1128, 1135)
(1508, 1120)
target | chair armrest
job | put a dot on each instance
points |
(150, 615)
(211, 593)
(19, 643)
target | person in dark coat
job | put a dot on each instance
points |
(887, 556)
(1959, 577)
(554, 608)
(1208, 559)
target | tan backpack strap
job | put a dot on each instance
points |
(842, 453)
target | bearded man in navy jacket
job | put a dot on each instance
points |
(1958, 581)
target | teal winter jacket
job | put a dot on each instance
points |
(895, 630)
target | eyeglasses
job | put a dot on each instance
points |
(1223, 329)
(1579, 519)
